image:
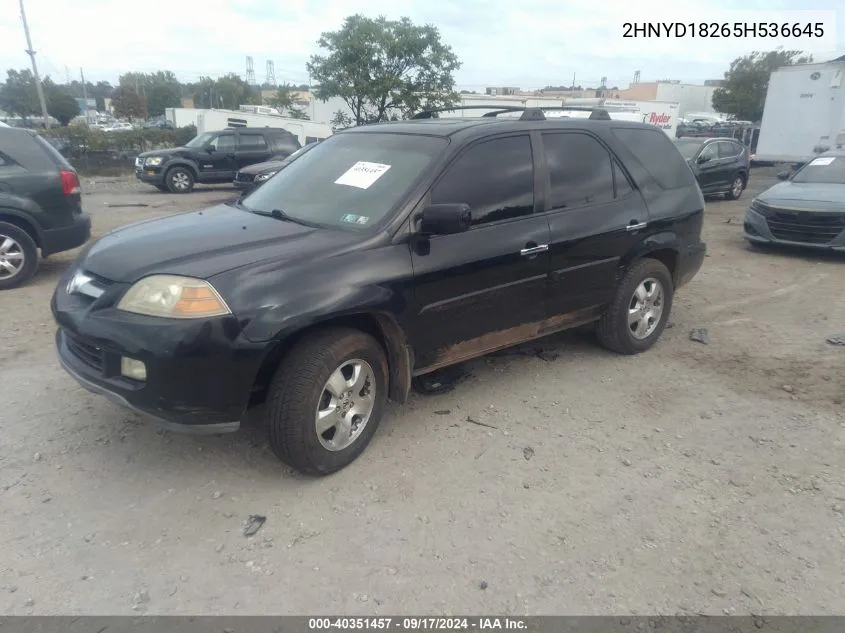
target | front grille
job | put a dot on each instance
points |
(805, 226)
(244, 177)
(139, 162)
(87, 353)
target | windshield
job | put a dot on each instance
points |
(829, 170)
(688, 149)
(201, 140)
(349, 180)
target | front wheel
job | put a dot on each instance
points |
(737, 187)
(326, 400)
(639, 311)
(179, 180)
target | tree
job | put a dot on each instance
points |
(284, 101)
(743, 93)
(340, 120)
(229, 91)
(128, 104)
(163, 96)
(18, 95)
(61, 106)
(377, 66)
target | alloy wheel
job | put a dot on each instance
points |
(646, 308)
(346, 404)
(12, 257)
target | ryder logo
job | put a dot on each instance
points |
(663, 121)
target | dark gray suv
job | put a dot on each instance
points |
(40, 205)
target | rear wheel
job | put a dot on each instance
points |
(737, 187)
(326, 400)
(18, 256)
(179, 180)
(639, 311)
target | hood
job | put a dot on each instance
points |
(270, 165)
(205, 243)
(170, 151)
(805, 196)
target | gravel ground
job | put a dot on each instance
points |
(696, 478)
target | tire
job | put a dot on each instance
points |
(614, 331)
(299, 390)
(179, 180)
(737, 187)
(19, 252)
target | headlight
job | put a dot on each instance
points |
(265, 176)
(153, 161)
(173, 297)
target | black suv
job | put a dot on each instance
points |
(255, 175)
(213, 157)
(40, 205)
(386, 252)
(721, 165)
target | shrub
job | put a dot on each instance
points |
(77, 140)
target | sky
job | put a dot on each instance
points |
(523, 43)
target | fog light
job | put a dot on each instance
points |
(132, 368)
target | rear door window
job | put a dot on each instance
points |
(729, 150)
(580, 170)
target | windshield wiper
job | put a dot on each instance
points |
(281, 215)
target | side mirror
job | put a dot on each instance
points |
(210, 149)
(702, 159)
(445, 219)
(783, 175)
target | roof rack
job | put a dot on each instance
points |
(528, 113)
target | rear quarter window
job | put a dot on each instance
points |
(53, 153)
(657, 155)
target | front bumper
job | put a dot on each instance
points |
(245, 187)
(66, 237)
(756, 229)
(200, 372)
(150, 175)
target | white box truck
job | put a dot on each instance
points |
(804, 113)
(305, 131)
(211, 120)
(662, 114)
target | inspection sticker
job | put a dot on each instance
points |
(823, 160)
(362, 174)
(351, 218)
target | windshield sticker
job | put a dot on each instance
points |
(362, 174)
(351, 218)
(823, 160)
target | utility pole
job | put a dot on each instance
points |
(85, 96)
(31, 54)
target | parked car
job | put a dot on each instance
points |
(40, 205)
(807, 209)
(250, 177)
(720, 165)
(213, 157)
(386, 252)
(158, 124)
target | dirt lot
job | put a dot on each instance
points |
(694, 478)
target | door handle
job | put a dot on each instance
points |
(636, 226)
(533, 250)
